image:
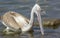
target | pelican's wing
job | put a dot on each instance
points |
(20, 17)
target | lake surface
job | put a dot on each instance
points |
(51, 7)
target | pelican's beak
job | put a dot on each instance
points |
(37, 11)
(40, 23)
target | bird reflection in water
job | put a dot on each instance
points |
(29, 34)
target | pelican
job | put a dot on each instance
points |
(15, 21)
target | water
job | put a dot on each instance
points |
(51, 7)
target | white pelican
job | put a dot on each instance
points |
(15, 21)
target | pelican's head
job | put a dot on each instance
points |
(36, 8)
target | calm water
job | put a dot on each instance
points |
(51, 7)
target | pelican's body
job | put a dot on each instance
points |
(16, 21)
(9, 21)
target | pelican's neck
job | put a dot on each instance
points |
(27, 27)
(31, 18)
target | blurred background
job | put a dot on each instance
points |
(50, 7)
